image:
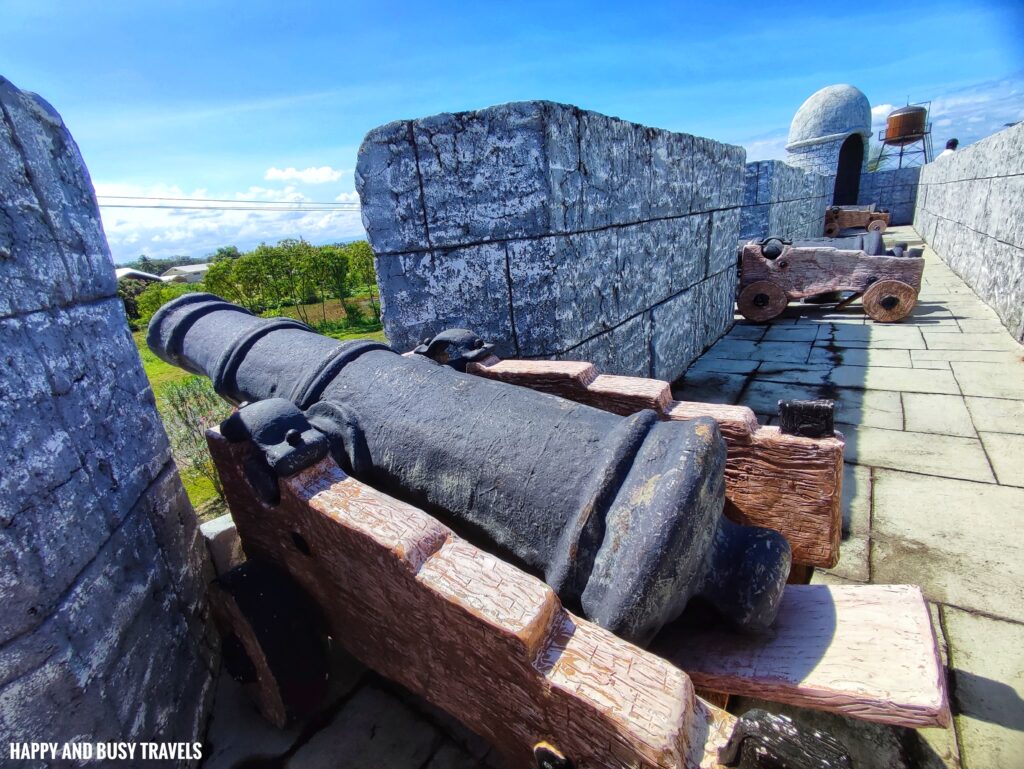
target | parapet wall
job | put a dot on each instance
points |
(894, 189)
(970, 209)
(554, 232)
(783, 201)
(103, 633)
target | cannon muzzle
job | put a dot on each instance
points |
(622, 516)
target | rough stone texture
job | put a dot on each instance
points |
(552, 232)
(823, 123)
(783, 201)
(970, 209)
(894, 189)
(103, 634)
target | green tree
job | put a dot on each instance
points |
(156, 295)
(225, 252)
(360, 257)
(128, 290)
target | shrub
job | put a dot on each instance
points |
(192, 406)
(354, 313)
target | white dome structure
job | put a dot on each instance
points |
(829, 135)
(831, 114)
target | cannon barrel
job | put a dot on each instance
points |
(622, 516)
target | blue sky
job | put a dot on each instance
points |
(270, 100)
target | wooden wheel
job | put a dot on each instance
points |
(762, 301)
(889, 300)
(832, 230)
(876, 225)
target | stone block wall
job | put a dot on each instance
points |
(554, 232)
(970, 209)
(103, 633)
(783, 201)
(893, 189)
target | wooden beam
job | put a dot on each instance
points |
(785, 482)
(470, 633)
(866, 651)
(804, 271)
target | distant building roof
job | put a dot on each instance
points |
(832, 113)
(130, 274)
(187, 269)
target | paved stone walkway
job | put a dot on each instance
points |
(933, 413)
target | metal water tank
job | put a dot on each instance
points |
(906, 125)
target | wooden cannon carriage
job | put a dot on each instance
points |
(839, 218)
(774, 273)
(494, 647)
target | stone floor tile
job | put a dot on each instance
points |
(988, 693)
(723, 365)
(990, 380)
(373, 729)
(856, 505)
(853, 559)
(837, 355)
(996, 415)
(877, 335)
(709, 387)
(1000, 341)
(853, 407)
(960, 541)
(744, 349)
(746, 330)
(896, 379)
(237, 733)
(982, 326)
(1006, 453)
(797, 333)
(809, 374)
(853, 317)
(945, 456)
(942, 414)
(919, 357)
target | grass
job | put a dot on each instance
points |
(160, 374)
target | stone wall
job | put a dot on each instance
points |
(970, 209)
(894, 189)
(820, 158)
(783, 201)
(103, 634)
(554, 232)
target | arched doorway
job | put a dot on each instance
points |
(851, 156)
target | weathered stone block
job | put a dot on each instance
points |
(568, 288)
(97, 539)
(687, 324)
(530, 169)
(545, 228)
(625, 349)
(48, 208)
(424, 293)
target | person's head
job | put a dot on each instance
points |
(952, 144)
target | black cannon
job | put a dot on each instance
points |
(622, 516)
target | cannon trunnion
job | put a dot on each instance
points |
(622, 516)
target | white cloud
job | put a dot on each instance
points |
(311, 175)
(165, 232)
(288, 195)
(348, 197)
(766, 148)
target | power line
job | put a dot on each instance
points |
(222, 200)
(294, 208)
